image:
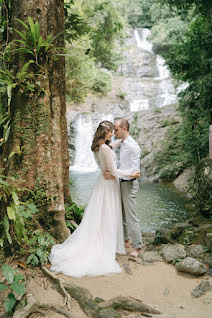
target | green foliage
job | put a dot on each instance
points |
(121, 94)
(13, 213)
(4, 128)
(82, 74)
(40, 245)
(169, 122)
(181, 33)
(15, 284)
(33, 43)
(75, 26)
(134, 129)
(203, 187)
(144, 153)
(171, 160)
(73, 215)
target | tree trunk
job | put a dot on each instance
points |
(39, 119)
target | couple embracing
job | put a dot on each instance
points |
(110, 218)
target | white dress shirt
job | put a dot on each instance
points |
(130, 154)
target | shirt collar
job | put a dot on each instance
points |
(127, 140)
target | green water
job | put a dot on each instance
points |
(159, 205)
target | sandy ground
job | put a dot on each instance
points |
(158, 284)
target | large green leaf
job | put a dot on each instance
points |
(11, 212)
(15, 198)
(32, 28)
(8, 272)
(6, 228)
(18, 288)
(4, 182)
(19, 227)
(21, 34)
(2, 287)
(10, 303)
(24, 24)
(18, 278)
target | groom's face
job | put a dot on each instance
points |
(119, 132)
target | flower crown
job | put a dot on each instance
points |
(105, 125)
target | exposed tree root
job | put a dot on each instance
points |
(103, 309)
(35, 306)
(61, 286)
(130, 304)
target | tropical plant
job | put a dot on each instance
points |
(14, 213)
(40, 244)
(15, 282)
(33, 43)
(73, 215)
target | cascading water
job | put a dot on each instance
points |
(147, 85)
(85, 128)
(84, 160)
(168, 94)
(142, 41)
(166, 90)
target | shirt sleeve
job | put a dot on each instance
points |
(132, 158)
(110, 164)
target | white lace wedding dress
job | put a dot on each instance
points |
(92, 248)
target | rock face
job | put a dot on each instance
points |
(173, 252)
(192, 266)
(141, 92)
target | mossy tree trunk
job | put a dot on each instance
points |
(39, 118)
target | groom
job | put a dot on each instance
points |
(130, 162)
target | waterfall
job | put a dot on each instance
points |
(85, 127)
(166, 90)
(142, 41)
(168, 93)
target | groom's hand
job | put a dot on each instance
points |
(108, 176)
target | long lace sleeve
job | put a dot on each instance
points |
(107, 157)
(115, 143)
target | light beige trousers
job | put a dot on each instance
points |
(129, 190)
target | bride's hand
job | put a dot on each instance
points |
(136, 174)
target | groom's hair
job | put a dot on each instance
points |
(122, 122)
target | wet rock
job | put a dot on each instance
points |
(201, 289)
(192, 266)
(163, 236)
(208, 241)
(195, 250)
(178, 229)
(151, 257)
(173, 252)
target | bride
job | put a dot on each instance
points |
(92, 248)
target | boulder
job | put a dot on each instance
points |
(208, 240)
(163, 236)
(192, 266)
(201, 289)
(178, 229)
(151, 257)
(195, 250)
(173, 252)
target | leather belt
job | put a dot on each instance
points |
(122, 180)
